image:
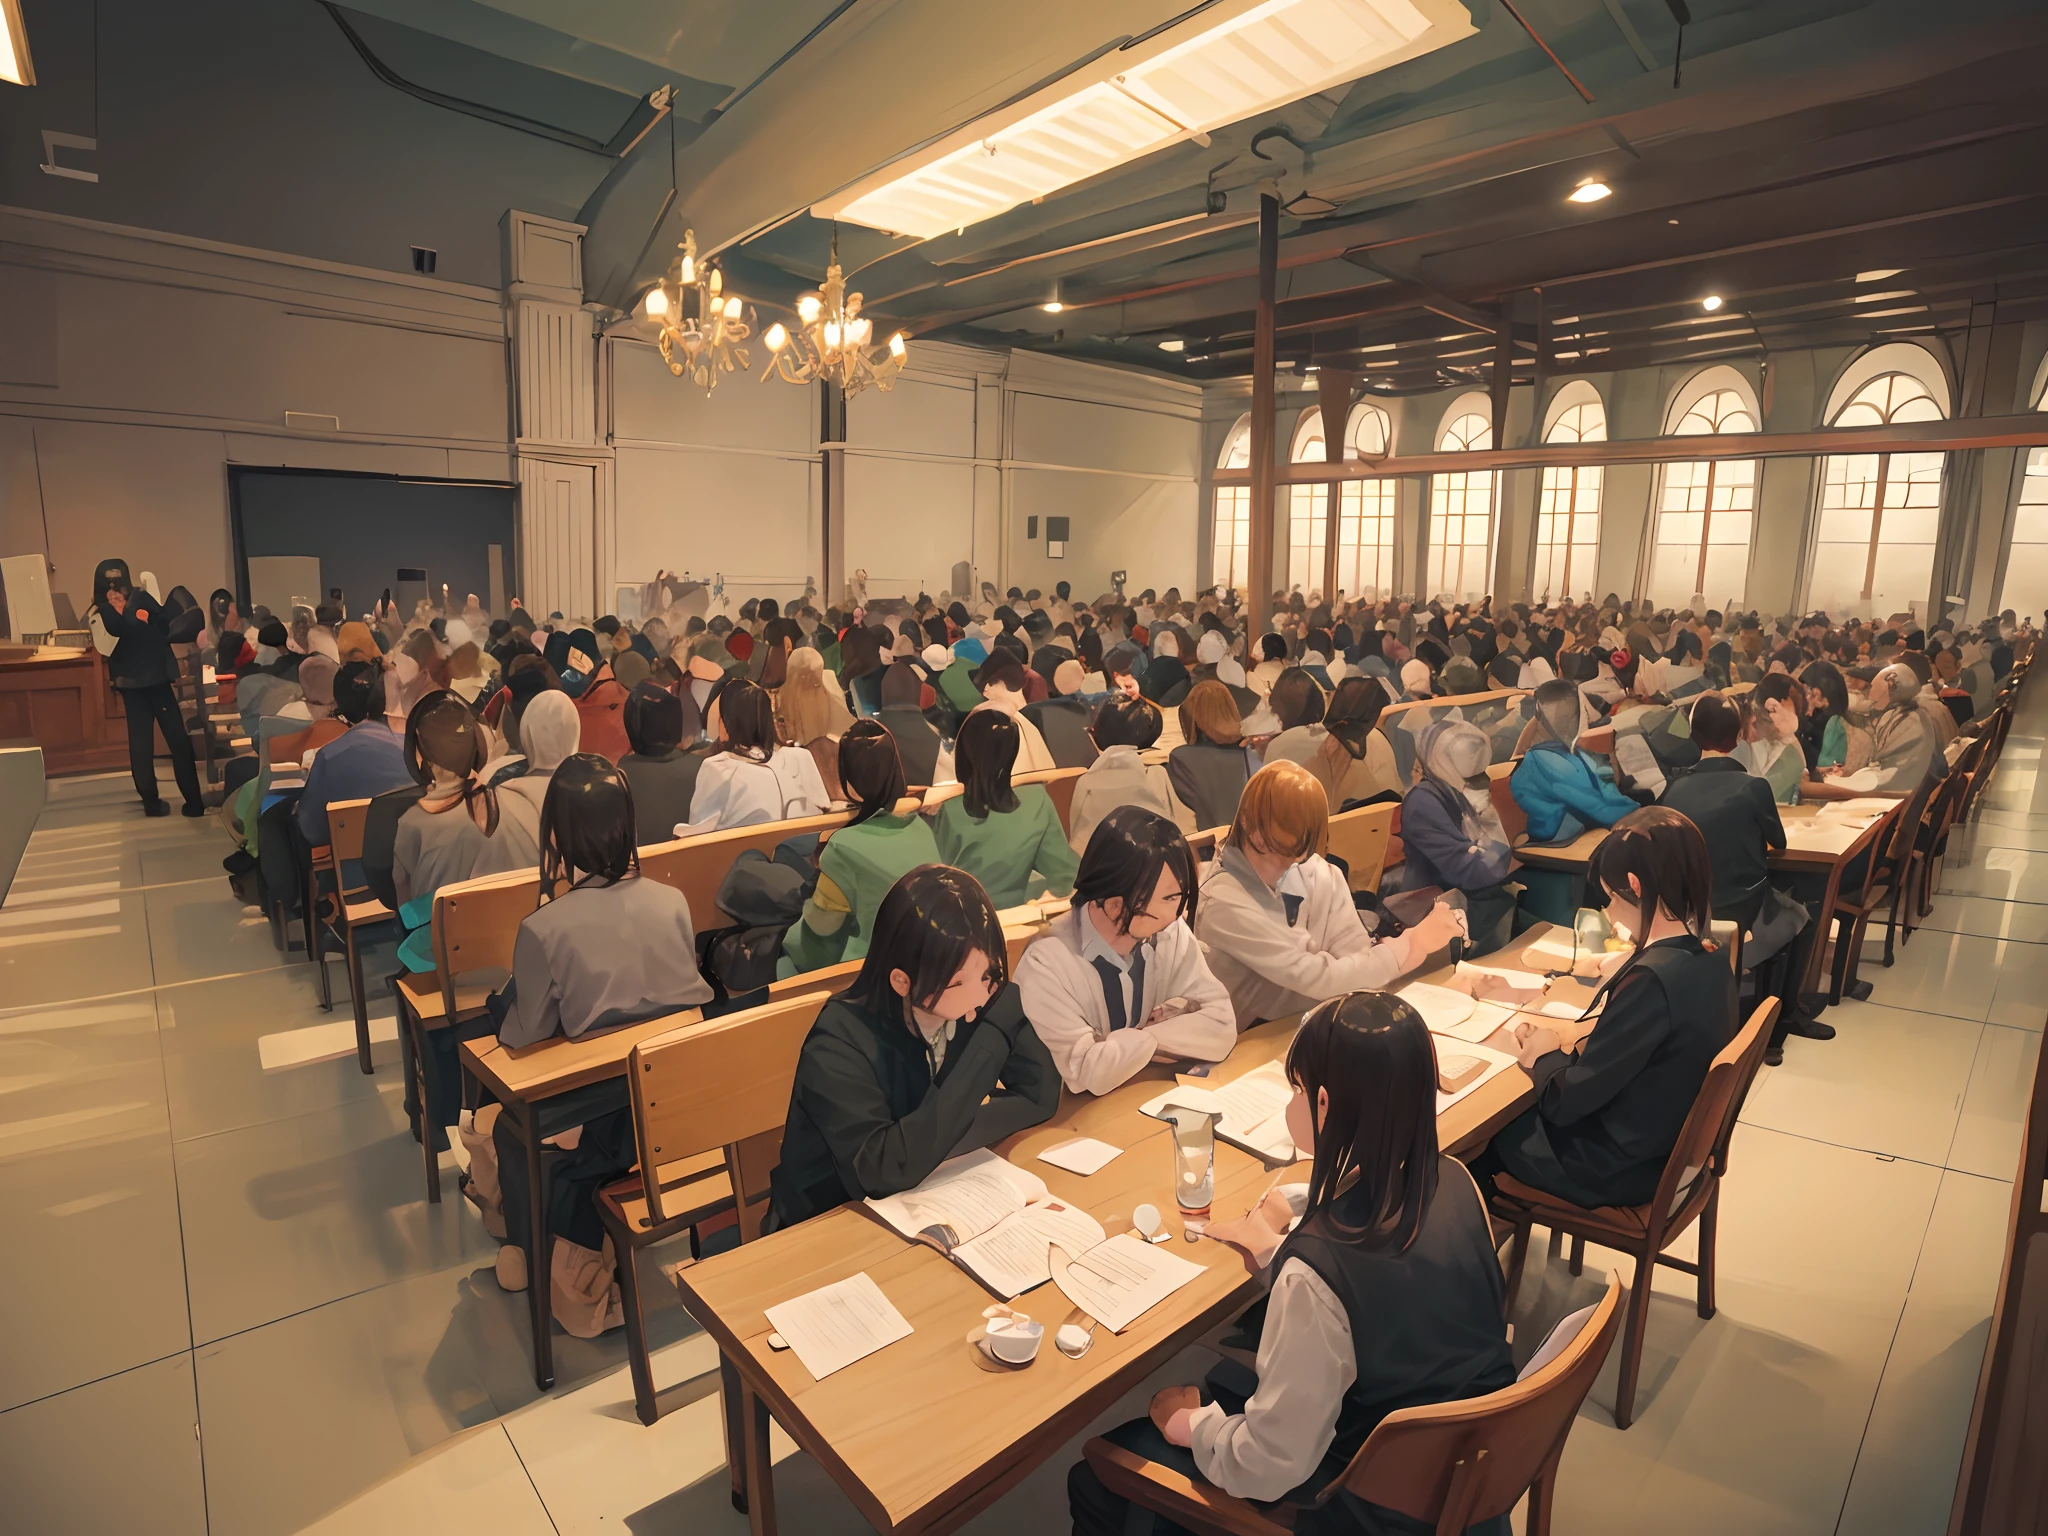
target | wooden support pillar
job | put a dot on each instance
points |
(1259, 578)
(1503, 369)
(1334, 388)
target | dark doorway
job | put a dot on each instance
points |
(370, 532)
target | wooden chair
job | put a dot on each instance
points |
(1360, 839)
(1451, 1465)
(475, 924)
(344, 911)
(1943, 810)
(697, 866)
(708, 1102)
(1885, 874)
(1689, 1191)
(829, 980)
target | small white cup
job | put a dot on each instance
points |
(1014, 1340)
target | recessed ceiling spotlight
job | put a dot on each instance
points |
(1711, 302)
(1590, 192)
(1671, 221)
(1175, 345)
(1879, 275)
(1052, 306)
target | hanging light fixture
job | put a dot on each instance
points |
(832, 340)
(701, 325)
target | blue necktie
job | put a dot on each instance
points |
(1113, 988)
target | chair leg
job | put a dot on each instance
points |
(1838, 970)
(362, 1006)
(1709, 1222)
(1578, 1255)
(628, 1258)
(1518, 1255)
(1557, 1242)
(430, 1161)
(1632, 1340)
(1541, 1494)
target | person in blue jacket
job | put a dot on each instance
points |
(1562, 792)
(1452, 833)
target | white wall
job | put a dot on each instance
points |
(137, 367)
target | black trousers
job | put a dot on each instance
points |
(147, 709)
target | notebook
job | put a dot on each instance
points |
(992, 1218)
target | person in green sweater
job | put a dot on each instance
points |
(886, 839)
(1008, 837)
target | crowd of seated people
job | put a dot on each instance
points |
(500, 745)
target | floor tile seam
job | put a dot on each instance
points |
(119, 891)
(199, 1344)
(160, 986)
(297, 1114)
(80, 1386)
(1898, 1325)
(539, 1497)
(1843, 1146)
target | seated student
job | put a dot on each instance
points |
(600, 702)
(1165, 681)
(1901, 740)
(1452, 834)
(1063, 719)
(1211, 767)
(605, 948)
(810, 712)
(1831, 739)
(548, 731)
(1560, 789)
(1002, 683)
(1733, 807)
(662, 774)
(1272, 662)
(1119, 981)
(902, 711)
(437, 841)
(860, 862)
(1322, 739)
(1607, 1115)
(1276, 918)
(926, 1056)
(1124, 727)
(1386, 1295)
(752, 778)
(1770, 746)
(365, 760)
(1007, 836)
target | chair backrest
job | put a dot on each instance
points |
(719, 1083)
(1459, 1463)
(1059, 784)
(832, 978)
(476, 924)
(697, 866)
(1359, 838)
(1700, 1155)
(1513, 820)
(345, 822)
(284, 747)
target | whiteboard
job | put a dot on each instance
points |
(27, 579)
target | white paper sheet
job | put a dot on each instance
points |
(1571, 1011)
(1013, 1258)
(1254, 1111)
(1442, 1009)
(1861, 780)
(835, 1325)
(1119, 1281)
(967, 1195)
(1084, 1156)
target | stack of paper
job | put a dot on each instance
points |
(834, 1326)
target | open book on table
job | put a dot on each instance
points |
(995, 1220)
(1254, 1110)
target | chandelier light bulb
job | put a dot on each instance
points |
(777, 338)
(657, 303)
(689, 272)
(717, 282)
(808, 308)
(732, 308)
(897, 347)
(859, 331)
(832, 335)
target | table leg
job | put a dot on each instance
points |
(1816, 952)
(730, 1395)
(760, 1471)
(539, 1248)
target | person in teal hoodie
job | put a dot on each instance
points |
(1562, 792)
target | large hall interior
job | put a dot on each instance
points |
(1158, 766)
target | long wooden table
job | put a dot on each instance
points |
(1816, 842)
(918, 1435)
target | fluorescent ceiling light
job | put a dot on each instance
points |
(1231, 61)
(1711, 302)
(1052, 306)
(1175, 345)
(15, 64)
(1872, 298)
(1879, 275)
(1591, 192)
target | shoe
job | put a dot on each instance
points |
(157, 808)
(194, 809)
(1809, 1029)
(1774, 1055)
(512, 1267)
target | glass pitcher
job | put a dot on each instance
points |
(1194, 1158)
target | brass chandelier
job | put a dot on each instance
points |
(831, 340)
(700, 327)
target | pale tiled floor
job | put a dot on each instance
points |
(230, 1272)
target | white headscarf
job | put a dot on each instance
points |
(1455, 755)
(1211, 648)
(549, 729)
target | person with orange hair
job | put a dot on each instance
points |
(1276, 918)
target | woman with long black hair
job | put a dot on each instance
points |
(132, 630)
(1000, 833)
(927, 1055)
(1386, 1294)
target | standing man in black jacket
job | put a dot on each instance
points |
(141, 665)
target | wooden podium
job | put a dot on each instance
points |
(60, 700)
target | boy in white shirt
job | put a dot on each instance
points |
(1277, 922)
(1119, 981)
(1123, 729)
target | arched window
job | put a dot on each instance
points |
(1873, 550)
(1461, 508)
(1706, 510)
(1233, 546)
(1568, 512)
(1365, 509)
(2025, 588)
